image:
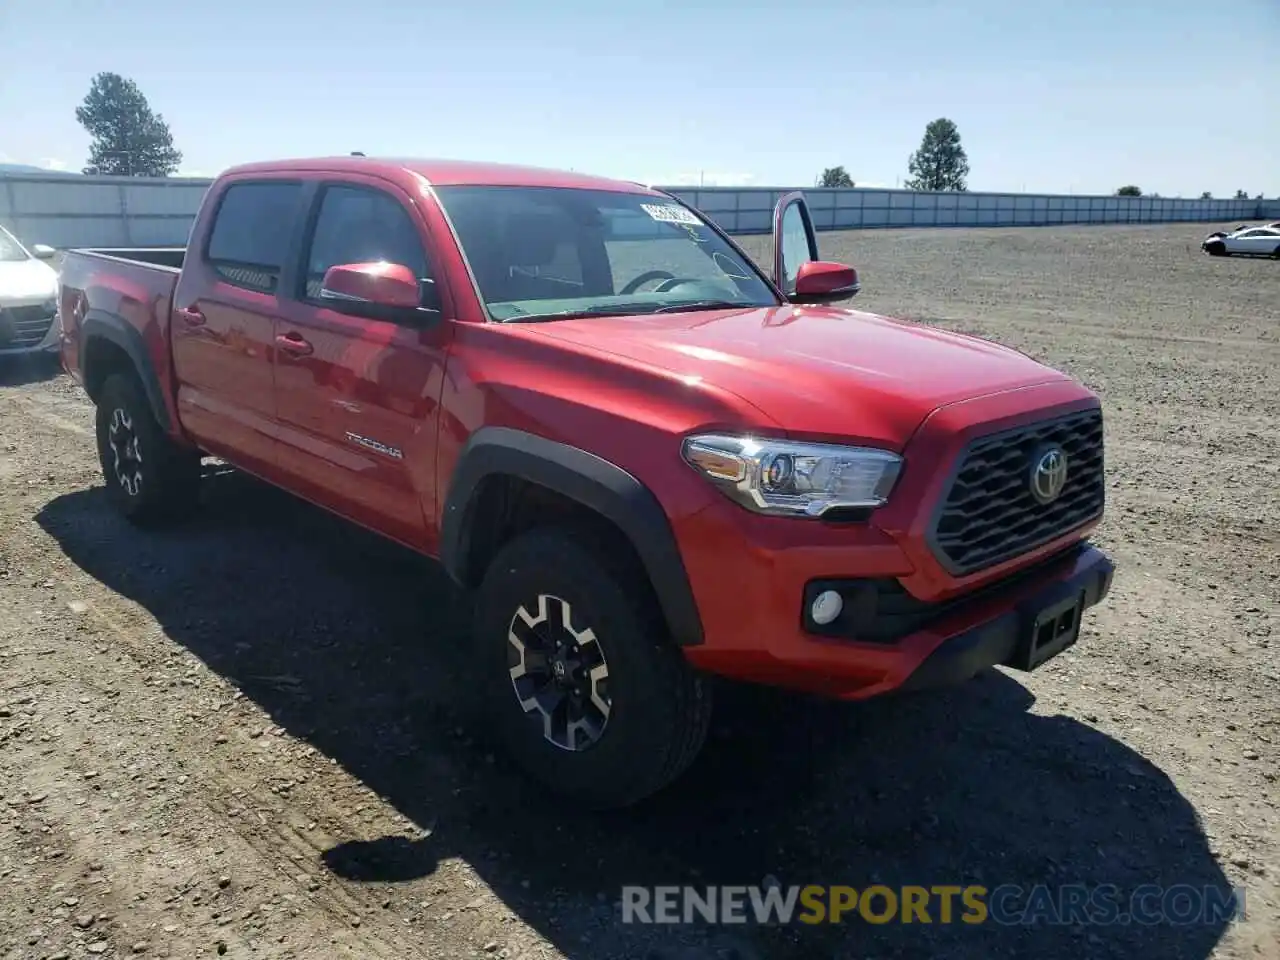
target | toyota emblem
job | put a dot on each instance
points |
(1048, 474)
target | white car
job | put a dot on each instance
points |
(28, 298)
(1255, 241)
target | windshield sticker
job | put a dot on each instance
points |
(670, 213)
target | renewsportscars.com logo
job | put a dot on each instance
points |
(1008, 904)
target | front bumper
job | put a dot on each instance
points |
(21, 335)
(1000, 641)
(756, 631)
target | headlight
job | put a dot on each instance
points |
(794, 479)
(51, 305)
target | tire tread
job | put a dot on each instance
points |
(171, 488)
(682, 718)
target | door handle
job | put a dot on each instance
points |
(191, 316)
(294, 344)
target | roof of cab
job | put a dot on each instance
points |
(443, 172)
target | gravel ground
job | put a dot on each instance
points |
(253, 737)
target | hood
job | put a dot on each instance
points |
(26, 280)
(816, 371)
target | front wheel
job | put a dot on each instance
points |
(588, 693)
(149, 478)
(1217, 249)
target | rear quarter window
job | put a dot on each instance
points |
(251, 233)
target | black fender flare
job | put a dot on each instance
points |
(99, 324)
(596, 484)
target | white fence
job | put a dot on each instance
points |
(750, 211)
(74, 211)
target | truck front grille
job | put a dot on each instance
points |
(24, 326)
(989, 514)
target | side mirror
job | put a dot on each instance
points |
(379, 291)
(43, 251)
(821, 281)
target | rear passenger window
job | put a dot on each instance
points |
(360, 225)
(251, 233)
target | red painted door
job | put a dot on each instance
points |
(357, 399)
(223, 326)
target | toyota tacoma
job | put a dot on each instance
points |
(651, 460)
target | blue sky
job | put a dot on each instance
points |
(1080, 96)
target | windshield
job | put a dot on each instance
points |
(552, 252)
(10, 249)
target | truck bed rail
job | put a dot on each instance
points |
(168, 257)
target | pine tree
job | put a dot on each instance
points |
(940, 163)
(835, 177)
(128, 139)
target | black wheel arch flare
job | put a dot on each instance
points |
(594, 483)
(101, 325)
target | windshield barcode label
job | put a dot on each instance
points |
(669, 213)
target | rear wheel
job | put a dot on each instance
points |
(1275, 254)
(588, 693)
(149, 478)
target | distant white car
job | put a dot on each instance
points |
(1255, 241)
(28, 297)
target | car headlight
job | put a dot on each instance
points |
(51, 305)
(785, 478)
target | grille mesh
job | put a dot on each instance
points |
(27, 325)
(989, 515)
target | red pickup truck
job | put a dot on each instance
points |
(651, 460)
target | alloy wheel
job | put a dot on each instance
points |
(125, 452)
(559, 674)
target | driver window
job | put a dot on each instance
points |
(361, 225)
(795, 246)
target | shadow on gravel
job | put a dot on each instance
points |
(22, 369)
(359, 648)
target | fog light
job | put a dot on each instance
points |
(826, 607)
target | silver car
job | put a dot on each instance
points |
(1257, 241)
(28, 297)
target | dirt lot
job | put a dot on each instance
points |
(253, 737)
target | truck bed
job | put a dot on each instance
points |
(126, 295)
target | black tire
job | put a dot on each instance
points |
(659, 707)
(150, 479)
(1275, 254)
(1217, 249)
